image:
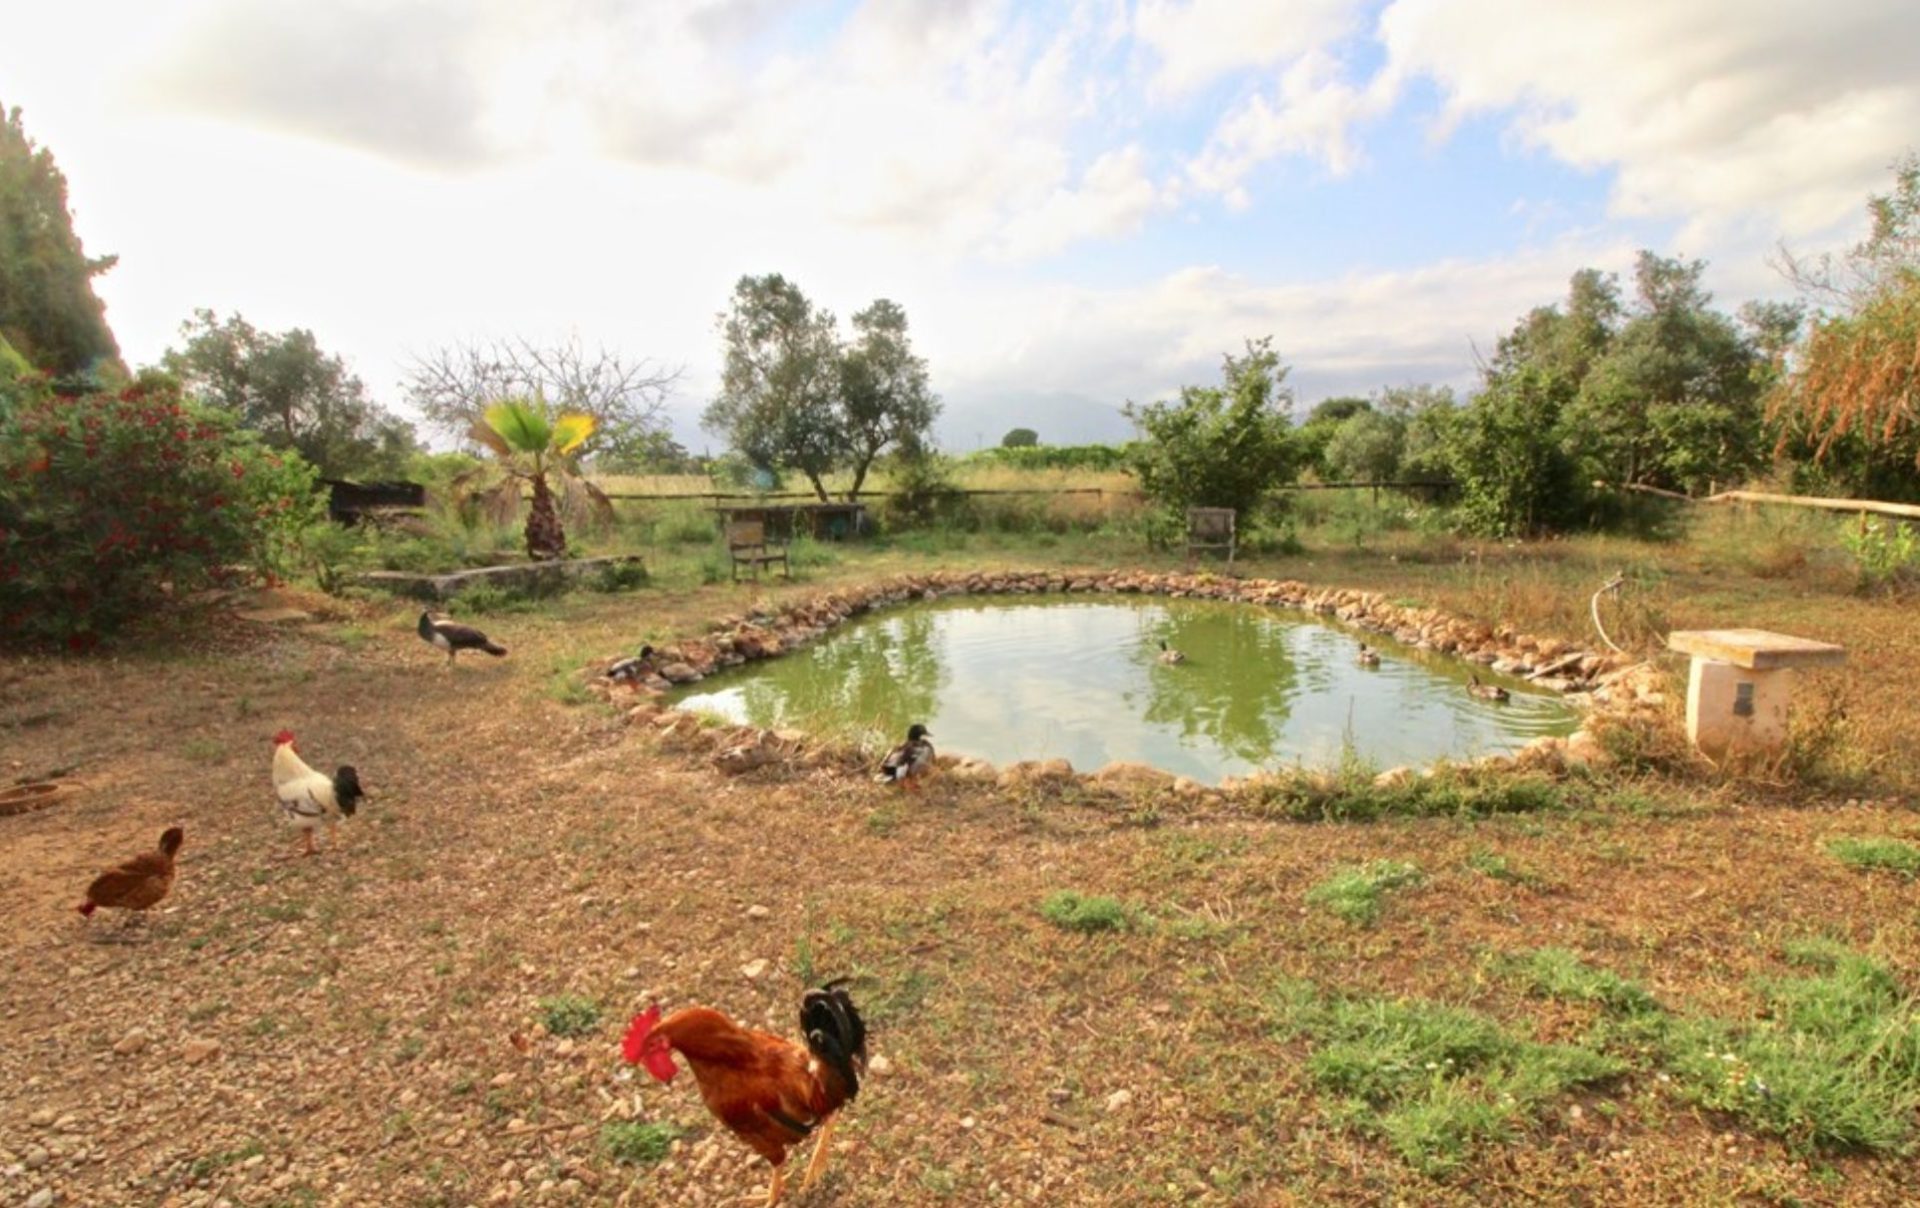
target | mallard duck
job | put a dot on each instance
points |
(1368, 656)
(452, 638)
(634, 669)
(1486, 691)
(1169, 655)
(910, 760)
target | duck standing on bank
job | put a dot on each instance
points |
(908, 762)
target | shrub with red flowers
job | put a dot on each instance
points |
(113, 503)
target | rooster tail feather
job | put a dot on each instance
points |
(86, 909)
(836, 1034)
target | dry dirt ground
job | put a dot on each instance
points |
(366, 1027)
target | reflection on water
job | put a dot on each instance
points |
(1006, 680)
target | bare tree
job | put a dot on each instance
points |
(453, 386)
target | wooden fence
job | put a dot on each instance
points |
(1098, 492)
(1903, 511)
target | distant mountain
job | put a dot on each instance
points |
(973, 421)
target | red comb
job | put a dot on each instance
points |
(283, 737)
(637, 1033)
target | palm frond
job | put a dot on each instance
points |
(570, 431)
(523, 424)
(580, 500)
(491, 439)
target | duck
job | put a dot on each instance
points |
(452, 638)
(909, 761)
(1486, 691)
(1169, 655)
(1368, 656)
(632, 670)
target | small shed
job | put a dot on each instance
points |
(351, 502)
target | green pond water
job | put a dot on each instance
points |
(1004, 680)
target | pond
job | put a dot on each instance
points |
(1011, 679)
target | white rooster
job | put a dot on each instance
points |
(308, 798)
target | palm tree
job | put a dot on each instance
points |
(532, 443)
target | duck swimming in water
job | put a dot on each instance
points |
(1486, 691)
(1368, 656)
(1169, 655)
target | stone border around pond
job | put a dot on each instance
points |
(1605, 682)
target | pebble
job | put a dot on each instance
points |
(754, 970)
(42, 1118)
(199, 1049)
(42, 1198)
(1119, 1099)
(35, 1158)
(758, 912)
(879, 1065)
(132, 1042)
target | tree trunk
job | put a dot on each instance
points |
(819, 488)
(546, 540)
(859, 476)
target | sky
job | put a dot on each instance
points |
(1077, 203)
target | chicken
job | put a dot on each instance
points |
(139, 884)
(769, 1092)
(452, 638)
(908, 762)
(308, 798)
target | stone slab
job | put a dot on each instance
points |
(1756, 649)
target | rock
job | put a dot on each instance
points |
(199, 1049)
(680, 673)
(35, 1157)
(758, 912)
(1119, 1099)
(42, 1118)
(1122, 774)
(42, 1198)
(1393, 778)
(131, 1043)
(879, 1066)
(754, 970)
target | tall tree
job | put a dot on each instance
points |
(883, 389)
(537, 445)
(295, 395)
(452, 387)
(778, 403)
(1219, 446)
(48, 310)
(1020, 438)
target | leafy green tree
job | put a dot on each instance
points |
(1313, 436)
(778, 403)
(1565, 344)
(1425, 414)
(1514, 474)
(1883, 261)
(1366, 447)
(1219, 446)
(532, 443)
(48, 310)
(1020, 438)
(296, 396)
(883, 390)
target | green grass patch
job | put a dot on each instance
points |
(633, 1143)
(1449, 792)
(1877, 855)
(1560, 973)
(1354, 892)
(1072, 911)
(1433, 1081)
(1834, 1065)
(569, 1015)
(1497, 867)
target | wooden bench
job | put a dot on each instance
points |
(1210, 529)
(747, 546)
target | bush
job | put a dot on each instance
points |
(633, 1143)
(1886, 552)
(1220, 446)
(112, 502)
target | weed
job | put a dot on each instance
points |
(1835, 1065)
(212, 1164)
(1353, 892)
(1889, 855)
(204, 750)
(1559, 973)
(569, 1015)
(1497, 867)
(633, 1143)
(1072, 911)
(1431, 1080)
(618, 577)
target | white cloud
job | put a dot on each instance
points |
(1708, 111)
(1312, 114)
(1198, 41)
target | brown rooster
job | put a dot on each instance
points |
(769, 1092)
(139, 884)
